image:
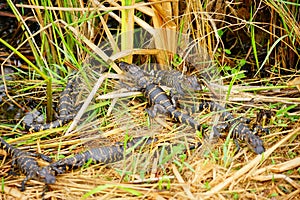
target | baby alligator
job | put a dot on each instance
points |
(160, 102)
(240, 131)
(28, 165)
(156, 95)
(66, 107)
(104, 155)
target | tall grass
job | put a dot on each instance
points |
(238, 43)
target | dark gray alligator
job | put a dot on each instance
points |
(28, 165)
(240, 131)
(156, 96)
(161, 102)
(179, 83)
(66, 108)
(103, 155)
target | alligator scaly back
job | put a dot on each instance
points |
(103, 155)
(66, 107)
(27, 163)
(70, 101)
(240, 131)
(156, 96)
(182, 84)
(160, 102)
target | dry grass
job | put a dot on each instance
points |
(263, 41)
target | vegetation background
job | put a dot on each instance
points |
(254, 46)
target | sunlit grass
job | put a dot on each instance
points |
(71, 33)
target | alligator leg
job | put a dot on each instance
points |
(154, 109)
(44, 157)
(12, 171)
(174, 98)
(50, 168)
(12, 168)
(41, 156)
(58, 170)
(28, 177)
(219, 127)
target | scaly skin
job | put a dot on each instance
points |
(240, 131)
(28, 165)
(67, 110)
(160, 102)
(182, 84)
(103, 155)
(156, 96)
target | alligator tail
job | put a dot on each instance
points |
(186, 119)
(7, 147)
(55, 124)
